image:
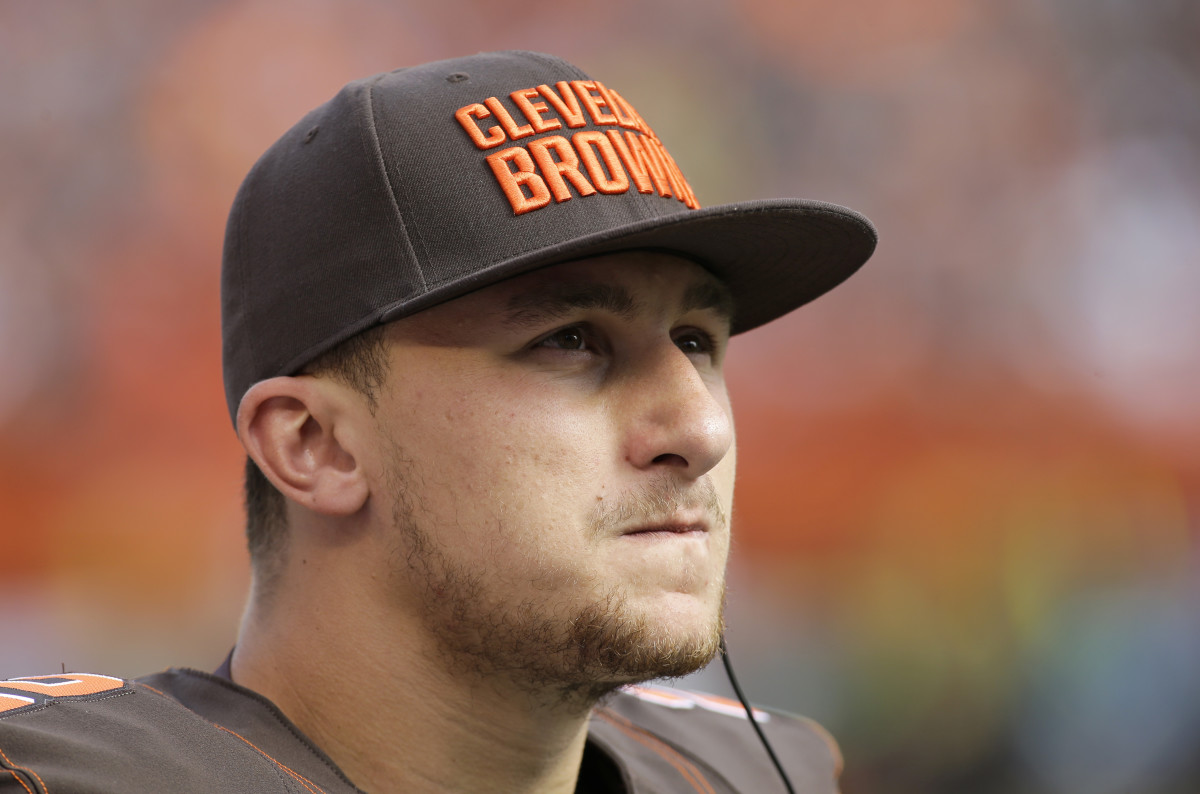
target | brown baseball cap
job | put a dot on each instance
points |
(416, 186)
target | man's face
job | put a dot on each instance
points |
(559, 450)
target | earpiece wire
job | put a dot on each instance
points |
(762, 737)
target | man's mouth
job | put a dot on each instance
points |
(669, 530)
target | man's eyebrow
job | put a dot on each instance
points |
(710, 295)
(551, 301)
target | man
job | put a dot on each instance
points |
(474, 330)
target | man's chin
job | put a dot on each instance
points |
(614, 645)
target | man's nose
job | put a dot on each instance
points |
(678, 418)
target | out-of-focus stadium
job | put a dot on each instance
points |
(970, 477)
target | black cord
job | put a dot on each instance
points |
(750, 716)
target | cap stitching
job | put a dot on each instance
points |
(377, 150)
(554, 63)
(243, 282)
(534, 259)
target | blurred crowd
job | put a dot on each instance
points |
(970, 478)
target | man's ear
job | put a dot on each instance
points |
(290, 427)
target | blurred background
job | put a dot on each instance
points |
(970, 483)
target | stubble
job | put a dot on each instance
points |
(568, 653)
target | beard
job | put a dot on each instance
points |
(568, 653)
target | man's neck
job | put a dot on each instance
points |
(393, 718)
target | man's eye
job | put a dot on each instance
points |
(572, 338)
(694, 342)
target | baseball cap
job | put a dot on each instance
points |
(416, 186)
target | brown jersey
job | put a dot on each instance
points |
(186, 731)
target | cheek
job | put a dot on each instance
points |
(489, 453)
(521, 446)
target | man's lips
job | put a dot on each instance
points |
(662, 507)
(673, 529)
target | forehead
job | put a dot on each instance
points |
(623, 283)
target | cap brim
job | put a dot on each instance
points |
(773, 255)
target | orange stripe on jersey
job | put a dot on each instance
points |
(724, 705)
(17, 777)
(299, 778)
(12, 767)
(672, 699)
(158, 692)
(686, 769)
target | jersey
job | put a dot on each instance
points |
(186, 731)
